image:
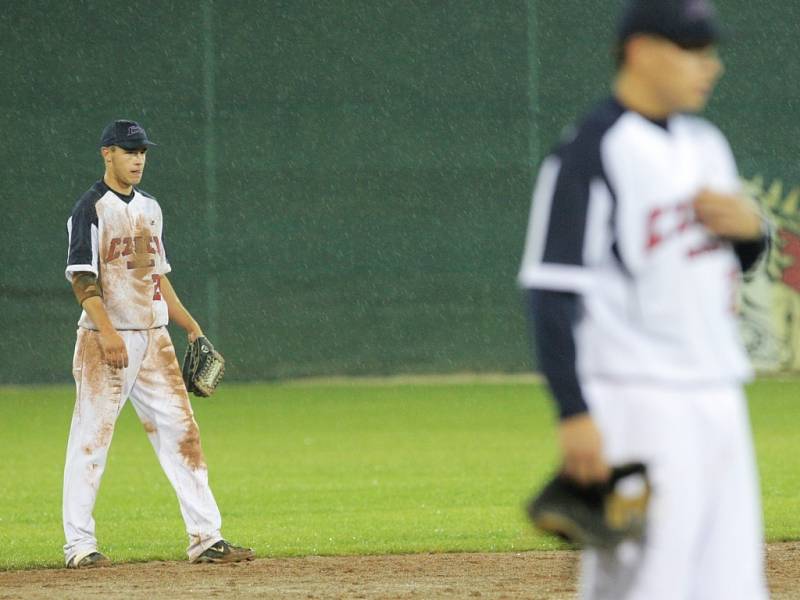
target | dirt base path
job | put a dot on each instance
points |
(537, 575)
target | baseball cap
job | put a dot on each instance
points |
(125, 134)
(688, 23)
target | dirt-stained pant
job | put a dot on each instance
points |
(704, 538)
(153, 382)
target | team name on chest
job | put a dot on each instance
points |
(141, 249)
(665, 223)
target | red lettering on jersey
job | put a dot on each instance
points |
(791, 247)
(686, 214)
(667, 222)
(156, 287)
(112, 250)
(139, 246)
(143, 245)
(653, 237)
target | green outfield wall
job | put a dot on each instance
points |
(345, 184)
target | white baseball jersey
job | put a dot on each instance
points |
(120, 239)
(612, 221)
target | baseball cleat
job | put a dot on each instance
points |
(89, 561)
(224, 552)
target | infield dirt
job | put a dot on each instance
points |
(529, 575)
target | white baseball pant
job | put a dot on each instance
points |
(704, 538)
(154, 384)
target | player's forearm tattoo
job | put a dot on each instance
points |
(85, 285)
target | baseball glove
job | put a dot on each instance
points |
(203, 367)
(600, 515)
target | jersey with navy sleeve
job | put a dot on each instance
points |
(612, 222)
(120, 239)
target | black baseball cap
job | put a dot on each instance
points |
(125, 134)
(688, 23)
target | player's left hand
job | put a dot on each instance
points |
(582, 450)
(728, 216)
(193, 334)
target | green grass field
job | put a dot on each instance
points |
(336, 468)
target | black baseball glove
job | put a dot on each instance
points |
(203, 367)
(600, 515)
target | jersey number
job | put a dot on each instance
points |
(156, 287)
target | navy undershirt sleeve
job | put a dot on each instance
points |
(553, 316)
(750, 251)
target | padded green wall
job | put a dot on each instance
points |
(345, 184)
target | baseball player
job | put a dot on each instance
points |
(118, 268)
(638, 236)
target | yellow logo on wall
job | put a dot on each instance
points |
(770, 296)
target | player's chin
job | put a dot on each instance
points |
(697, 101)
(694, 105)
(134, 178)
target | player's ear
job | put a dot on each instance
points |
(105, 152)
(636, 51)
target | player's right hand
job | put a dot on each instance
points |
(728, 216)
(114, 351)
(582, 450)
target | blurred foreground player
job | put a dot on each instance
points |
(118, 269)
(638, 236)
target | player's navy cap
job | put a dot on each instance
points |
(688, 23)
(125, 134)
